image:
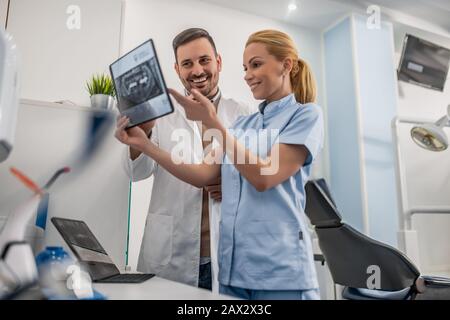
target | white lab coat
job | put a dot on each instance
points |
(171, 243)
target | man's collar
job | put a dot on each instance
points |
(216, 99)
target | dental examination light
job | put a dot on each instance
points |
(432, 136)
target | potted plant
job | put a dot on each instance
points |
(101, 91)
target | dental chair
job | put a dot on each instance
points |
(352, 256)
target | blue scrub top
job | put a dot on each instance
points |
(264, 239)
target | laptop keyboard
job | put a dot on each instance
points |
(127, 278)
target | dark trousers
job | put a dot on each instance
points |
(204, 276)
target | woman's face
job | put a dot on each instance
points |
(264, 73)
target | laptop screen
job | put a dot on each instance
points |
(86, 247)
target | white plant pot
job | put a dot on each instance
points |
(102, 101)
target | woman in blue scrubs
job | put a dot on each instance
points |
(265, 248)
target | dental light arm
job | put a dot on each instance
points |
(445, 120)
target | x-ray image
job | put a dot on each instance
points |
(139, 84)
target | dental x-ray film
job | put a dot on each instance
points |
(141, 91)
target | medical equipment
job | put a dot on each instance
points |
(368, 269)
(431, 136)
(18, 269)
(424, 63)
(17, 265)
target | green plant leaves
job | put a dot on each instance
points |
(100, 84)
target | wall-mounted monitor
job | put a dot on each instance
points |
(424, 63)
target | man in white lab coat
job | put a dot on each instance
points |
(181, 231)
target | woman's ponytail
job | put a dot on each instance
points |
(303, 83)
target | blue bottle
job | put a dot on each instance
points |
(53, 266)
(54, 260)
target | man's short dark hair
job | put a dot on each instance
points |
(189, 35)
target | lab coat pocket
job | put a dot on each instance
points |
(272, 248)
(158, 239)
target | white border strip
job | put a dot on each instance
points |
(364, 198)
(122, 26)
(326, 166)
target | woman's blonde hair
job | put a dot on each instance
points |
(280, 45)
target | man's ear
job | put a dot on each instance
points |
(177, 68)
(219, 62)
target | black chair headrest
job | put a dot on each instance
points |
(320, 207)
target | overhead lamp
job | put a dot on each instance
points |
(292, 7)
(432, 136)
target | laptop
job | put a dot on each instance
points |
(91, 255)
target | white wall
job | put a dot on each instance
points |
(427, 173)
(3, 12)
(56, 61)
(162, 20)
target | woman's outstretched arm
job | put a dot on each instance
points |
(198, 175)
(283, 161)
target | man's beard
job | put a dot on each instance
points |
(207, 91)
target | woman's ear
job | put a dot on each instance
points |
(287, 65)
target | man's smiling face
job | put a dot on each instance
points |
(198, 66)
